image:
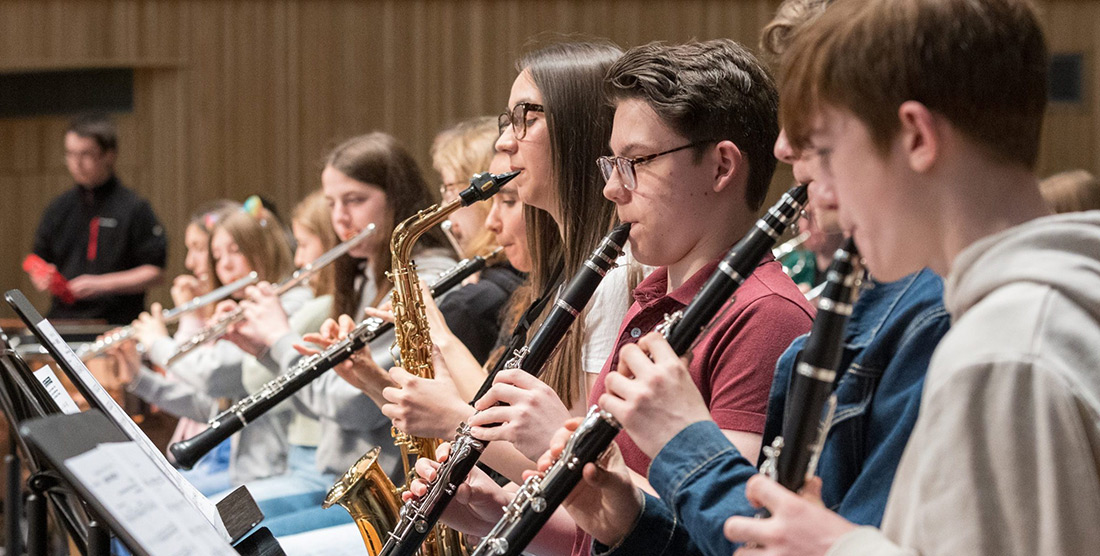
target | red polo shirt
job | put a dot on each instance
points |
(733, 363)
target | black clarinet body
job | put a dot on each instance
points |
(540, 496)
(733, 270)
(792, 456)
(420, 515)
(188, 452)
(537, 499)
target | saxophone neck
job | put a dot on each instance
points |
(408, 231)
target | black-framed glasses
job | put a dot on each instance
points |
(517, 118)
(625, 166)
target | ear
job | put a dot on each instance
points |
(731, 165)
(111, 157)
(920, 137)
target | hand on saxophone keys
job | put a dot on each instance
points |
(426, 407)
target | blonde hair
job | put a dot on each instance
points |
(466, 149)
(261, 240)
(314, 214)
(790, 17)
(1071, 191)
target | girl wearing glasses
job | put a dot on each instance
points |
(556, 126)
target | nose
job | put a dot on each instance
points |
(340, 214)
(506, 143)
(783, 150)
(492, 220)
(822, 194)
(613, 189)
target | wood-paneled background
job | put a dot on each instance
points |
(232, 98)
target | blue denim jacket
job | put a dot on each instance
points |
(701, 477)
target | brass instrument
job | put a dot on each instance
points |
(219, 327)
(365, 491)
(88, 351)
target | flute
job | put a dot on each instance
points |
(88, 351)
(419, 516)
(541, 495)
(228, 422)
(219, 327)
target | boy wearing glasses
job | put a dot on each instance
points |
(693, 132)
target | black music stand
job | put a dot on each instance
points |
(64, 437)
(22, 397)
(238, 511)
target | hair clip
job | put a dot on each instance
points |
(254, 207)
(209, 220)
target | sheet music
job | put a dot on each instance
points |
(154, 513)
(130, 428)
(56, 390)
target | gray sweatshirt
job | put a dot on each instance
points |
(214, 371)
(1005, 456)
(351, 424)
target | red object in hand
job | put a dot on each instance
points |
(59, 286)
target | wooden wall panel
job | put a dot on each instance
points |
(1071, 132)
(233, 98)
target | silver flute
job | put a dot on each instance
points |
(88, 351)
(220, 326)
(187, 452)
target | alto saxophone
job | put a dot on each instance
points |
(365, 491)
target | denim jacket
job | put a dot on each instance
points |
(701, 476)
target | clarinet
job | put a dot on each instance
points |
(187, 452)
(541, 495)
(792, 457)
(419, 516)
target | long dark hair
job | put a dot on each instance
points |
(569, 75)
(379, 160)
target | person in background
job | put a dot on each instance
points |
(99, 235)
(368, 179)
(474, 310)
(434, 407)
(458, 153)
(1071, 191)
(242, 240)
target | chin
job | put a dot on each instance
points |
(888, 271)
(360, 253)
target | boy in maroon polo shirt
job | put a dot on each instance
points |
(693, 134)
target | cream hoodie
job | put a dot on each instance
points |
(1005, 456)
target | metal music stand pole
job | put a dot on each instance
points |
(13, 499)
(99, 539)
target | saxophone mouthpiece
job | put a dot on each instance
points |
(485, 185)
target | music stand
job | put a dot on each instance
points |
(124, 490)
(23, 397)
(241, 510)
